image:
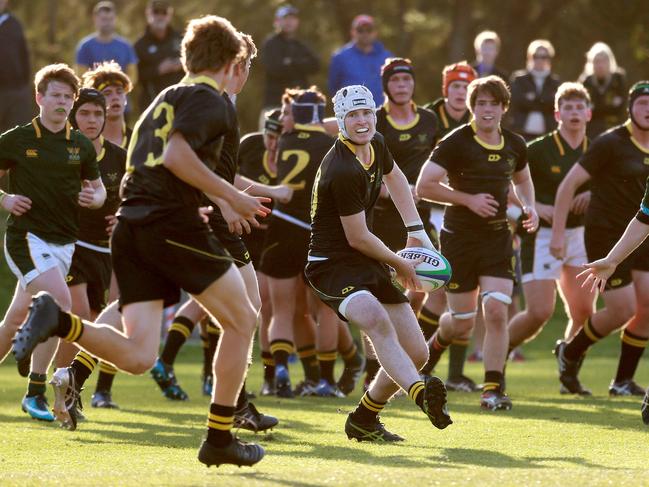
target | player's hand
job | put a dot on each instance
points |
(580, 203)
(531, 223)
(405, 272)
(282, 193)
(249, 206)
(87, 195)
(483, 204)
(204, 212)
(597, 273)
(236, 223)
(545, 212)
(16, 204)
(557, 246)
(111, 221)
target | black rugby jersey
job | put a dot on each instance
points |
(473, 167)
(253, 160)
(619, 167)
(410, 144)
(300, 153)
(344, 187)
(550, 158)
(195, 108)
(446, 123)
(112, 165)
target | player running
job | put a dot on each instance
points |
(616, 163)
(550, 158)
(481, 161)
(347, 264)
(160, 243)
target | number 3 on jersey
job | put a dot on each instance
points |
(163, 123)
(301, 158)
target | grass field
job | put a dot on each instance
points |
(547, 439)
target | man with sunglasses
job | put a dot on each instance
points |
(359, 61)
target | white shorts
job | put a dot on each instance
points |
(30, 256)
(537, 261)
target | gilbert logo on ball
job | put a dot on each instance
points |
(434, 272)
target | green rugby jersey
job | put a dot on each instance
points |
(48, 168)
(550, 158)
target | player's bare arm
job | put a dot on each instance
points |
(524, 190)
(280, 192)
(430, 187)
(182, 161)
(597, 272)
(565, 195)
(361, 239)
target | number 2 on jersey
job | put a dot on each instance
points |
(302, 161)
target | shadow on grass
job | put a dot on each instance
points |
(488, 458)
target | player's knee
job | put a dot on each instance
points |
(495, 311)
(138, 364)
(375, 324)
(419, 355)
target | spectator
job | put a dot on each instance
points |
(287, 60)
(158, 52)
(104, 44)
(15, 83)
(487, 47)
(533, 89)
(606, 84)
(359, 61)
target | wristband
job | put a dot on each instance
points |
(414, 226)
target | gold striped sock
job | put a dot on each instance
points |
(213, 329)
(281, 347)
(330, 356)
(305, 352)
(107, 368)
(633, 341)
(87, 360)
(268, 360)
(350, 353)
(590, 332)
(427, 319)
(415, 389)
(76, 329)
(371, 404)
(463, 343)
(180, 328)
(490, 386)
(222, 423)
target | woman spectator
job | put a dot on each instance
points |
(606, 84)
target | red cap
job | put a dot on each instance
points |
(457, 72)
(362, 20)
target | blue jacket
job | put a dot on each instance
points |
(351, 66)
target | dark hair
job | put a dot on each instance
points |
(492, 85)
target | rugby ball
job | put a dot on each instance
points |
(434, 272)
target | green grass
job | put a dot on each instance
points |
(547, 439)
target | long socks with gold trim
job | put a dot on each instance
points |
(367, 410)
(219, 425)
